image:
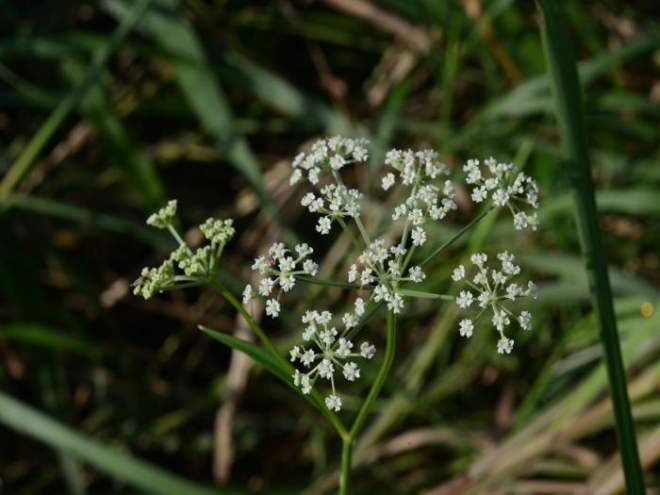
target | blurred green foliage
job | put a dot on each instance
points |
(108, 109)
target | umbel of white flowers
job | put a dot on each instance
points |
(384, 270)
(381, 269)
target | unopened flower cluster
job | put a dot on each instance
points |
(194, 266)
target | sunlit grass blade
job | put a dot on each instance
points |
(40, 138)
(29, 421)
(567, 94)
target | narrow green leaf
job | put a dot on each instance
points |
(265, 359)
(90, 218)
(43, 336)
(26, 420)
(259, 354)
(567, 93)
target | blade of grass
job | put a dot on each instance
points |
(567, 91)
(29, 421)
(165, 23)
(39, 140)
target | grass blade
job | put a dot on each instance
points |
(29, 421)
(165, 23)
(70, 101)
(567, 94)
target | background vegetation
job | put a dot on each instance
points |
(109, 109)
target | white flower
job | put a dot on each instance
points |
(473, 171)
(266, 286)
(532, 290)
(395, 303)
(416, 274)
(351, 371)
(307, 357)
(333, 402)
(479, 194)
(344, 347)
(323, 225)
(350, 320)
(248, 292)
(465, 328)
(287, 282)
(500, 320)
(381, 293)
(326, 369)
(310, 267)
(277, 250)
(352, 273)
(459, 273)
(294, 353)
(525, 320)
(261, 264)
(367, 350)
(464, 299)
(504, 345)
(359, 306)
(500, 197)
(388, 181)
(272, 308)
(418, 236)
(520, 220)
(303, 250)
(478, 259)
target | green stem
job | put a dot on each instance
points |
(568, 103)
(349, 440)
(444, 246)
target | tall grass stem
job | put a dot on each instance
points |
(567, 95)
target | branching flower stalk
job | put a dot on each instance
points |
(383, 275)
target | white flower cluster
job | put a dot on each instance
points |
(419, 170)
(328, 155)
(334, 352)
(335, 199)
(492, 288)
(506, 186)
(279, 268)
(383, 267)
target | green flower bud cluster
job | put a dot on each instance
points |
(197, 266)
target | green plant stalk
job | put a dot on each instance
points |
(448, 243)
(567, 94)
(349, 440)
